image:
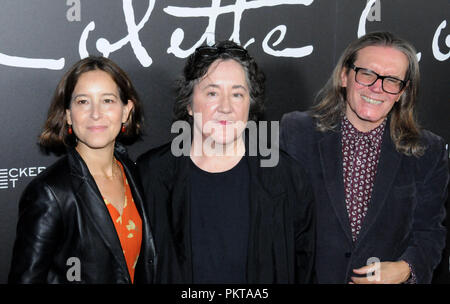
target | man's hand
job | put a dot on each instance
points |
(382, 273)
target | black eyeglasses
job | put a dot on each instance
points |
(211, 51)
(368, 77)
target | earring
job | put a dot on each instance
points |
(123, 128)
(69, 130)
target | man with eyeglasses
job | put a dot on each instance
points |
(380, 181)
(219, 215)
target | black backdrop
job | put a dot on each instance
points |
(296, 43)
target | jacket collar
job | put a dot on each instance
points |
(182, 163)
(388, 166)
(89, 196)
(330, 149)
(79, 168)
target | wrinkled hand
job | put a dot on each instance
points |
(382, 273)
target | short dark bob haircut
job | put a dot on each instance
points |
(55, 136)
(197, 66)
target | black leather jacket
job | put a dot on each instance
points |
(65, 233)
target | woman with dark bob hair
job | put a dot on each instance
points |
(82, 220)
(197, 66)
(220, 213)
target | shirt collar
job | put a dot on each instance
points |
(348, 130)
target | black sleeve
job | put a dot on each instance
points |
(37, 235)
(428, 234)
(304, 225)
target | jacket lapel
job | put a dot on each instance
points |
(179, 214)
(264, 200)
(137, 198)
(94, 207)
(387, 169)
(331, 162)
(148, 244)
(258, 203)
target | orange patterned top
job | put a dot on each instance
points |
(128, 226)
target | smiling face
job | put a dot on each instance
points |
(222, 98)
(367, 107)
(96, 111)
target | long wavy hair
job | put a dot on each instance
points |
(331, 100)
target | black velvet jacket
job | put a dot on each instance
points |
(404, 220)
(281, 234)
(64, 224)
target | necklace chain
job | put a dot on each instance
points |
(115, 171)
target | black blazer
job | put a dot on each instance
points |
(405, 213)
(281, 237)
(61, 216)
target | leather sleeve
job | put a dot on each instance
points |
(38, 232)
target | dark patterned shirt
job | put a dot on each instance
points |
(360, 154)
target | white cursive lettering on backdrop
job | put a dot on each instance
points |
(213, 12)
(106, 48)
(32, 63)
(363, 18)
(287, 52)
(208, 37)
(435, 46)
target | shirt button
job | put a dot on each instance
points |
(348, 254)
